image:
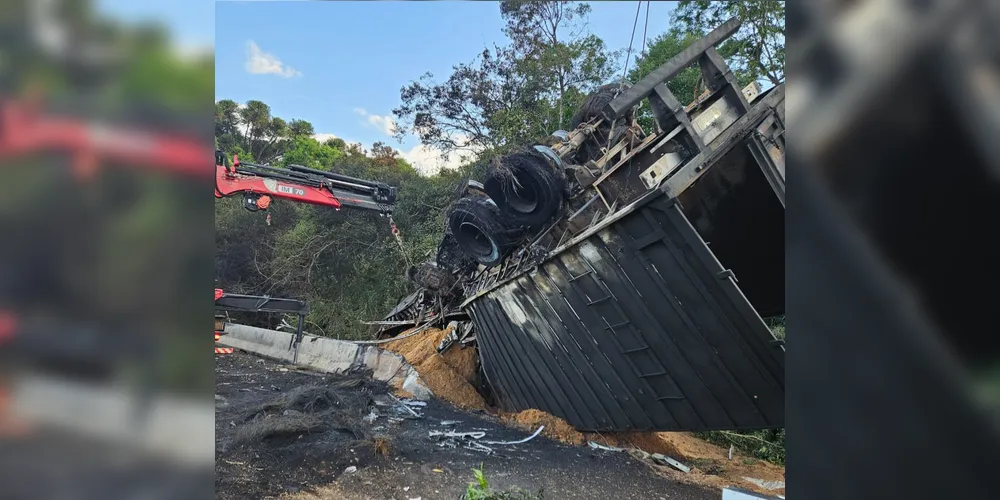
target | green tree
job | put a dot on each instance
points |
(300, 128)
(486, 104)
(758, 47)
(511, 95)
(346, 264)
(253, 131)
(552, 46)
(308, 152)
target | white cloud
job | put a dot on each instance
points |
(382, 123)
(324, 137)
(262, 63)
(193, 51)
(428, 160)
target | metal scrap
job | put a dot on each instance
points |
(525, 440)
(476, 446)
(453, 434)
(665, 460)
(404, 405)
(448, 341)
(598, 446)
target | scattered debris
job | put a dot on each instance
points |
(525, 440)
(476, 446)
(448, 340)
(350, 470)
(401, 404)
(767, 485)
(597, 446)
(449, 423)
(665, 460)
(453, 434)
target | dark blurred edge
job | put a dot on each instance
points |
(82, 338)
(889, 260)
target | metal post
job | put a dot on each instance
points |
(298, 339)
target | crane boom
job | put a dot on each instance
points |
(259, 184)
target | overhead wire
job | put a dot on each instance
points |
(628, 54)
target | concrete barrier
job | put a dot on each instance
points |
(327, 355)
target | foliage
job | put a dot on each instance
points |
(510, 95)
(345, 264)
(758, 47)
(767, 444)
(486, 104)
(261, 137)
(480, 490)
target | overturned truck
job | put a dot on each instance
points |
(619, 278)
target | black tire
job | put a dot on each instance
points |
(480, 230)
(592, 108)
(525, 187)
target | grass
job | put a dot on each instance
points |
(777, 326)
(767, 444)
(480, 490)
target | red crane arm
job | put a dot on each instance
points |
(260, 183)
(23, 130)
(229, 183)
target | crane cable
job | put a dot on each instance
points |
(628, 57)
(399, 240)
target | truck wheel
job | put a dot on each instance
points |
(479, 230)
(526, 188)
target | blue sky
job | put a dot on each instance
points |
(348, 57)
(340, 64)
(191, 22)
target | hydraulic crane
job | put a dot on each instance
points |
(259, 184)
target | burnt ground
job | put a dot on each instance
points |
(284, 432)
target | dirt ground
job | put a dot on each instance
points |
(285, 433)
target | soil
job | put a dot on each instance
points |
(286, 433)
(710, 464)
(450, 376)
(555, 427)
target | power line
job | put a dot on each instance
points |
(628, 55)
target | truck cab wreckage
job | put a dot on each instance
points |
(618, 278)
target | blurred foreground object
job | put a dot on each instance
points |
(892, 125)
(104, 364)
